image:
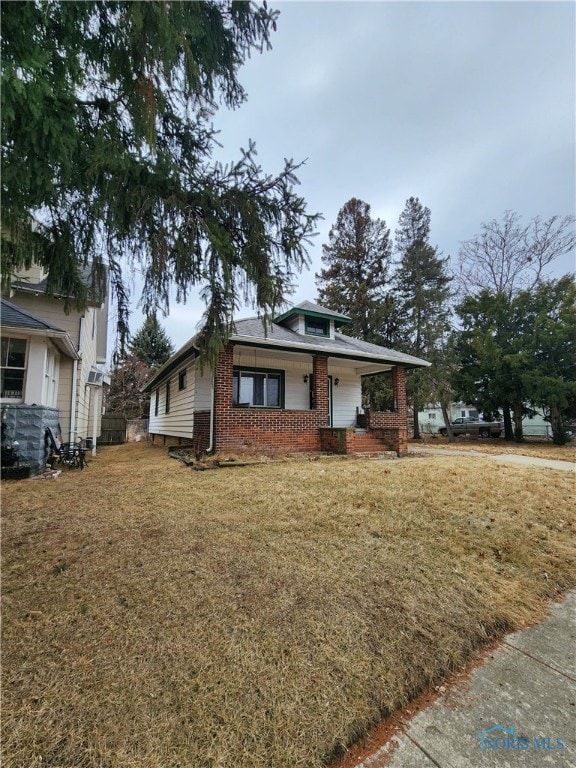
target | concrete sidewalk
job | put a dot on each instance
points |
(517, 710)
(503, 458)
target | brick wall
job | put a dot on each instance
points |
(201, 437)
(393, 425)
(337, 440)
(263, 429)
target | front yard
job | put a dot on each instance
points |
(257, 616)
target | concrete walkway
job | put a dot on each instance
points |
(517, 710)
(506, 458)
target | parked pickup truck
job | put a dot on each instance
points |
(466, 425)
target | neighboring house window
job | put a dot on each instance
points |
(13, 368)
(50, 378)
(316, 326)
(156, 402)
(257, 387)
(182, 380)
(167, 409)
(432, 416)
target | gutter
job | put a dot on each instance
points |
(62, 339)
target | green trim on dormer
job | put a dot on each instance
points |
(307, 309)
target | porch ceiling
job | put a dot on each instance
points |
(360, 367)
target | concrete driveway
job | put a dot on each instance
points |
(501, 458)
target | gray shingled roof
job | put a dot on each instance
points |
(15, 317)
(252, 330)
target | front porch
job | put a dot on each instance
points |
(286, 430)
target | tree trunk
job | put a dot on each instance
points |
(508, 431)
(559, 434)
(447, 422)
(416, 411)
(518, 435)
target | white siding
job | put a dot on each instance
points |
(346, 397)
(51, 310)
(202, 389)
(179, 422)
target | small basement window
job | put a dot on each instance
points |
(315, 326)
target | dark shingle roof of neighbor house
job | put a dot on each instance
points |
(14, 317)
(251, 332)
(96, 286)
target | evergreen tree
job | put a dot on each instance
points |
(355, 281)
(520, 352)
(506, 258)
(151, 343)
(489, 375)
(547, 322)
(422, 284)
(107, 141)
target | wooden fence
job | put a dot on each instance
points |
(113, 430)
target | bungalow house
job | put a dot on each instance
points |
(50, 366)
(294, 386)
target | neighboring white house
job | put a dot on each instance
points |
(51, 364)
(431, 419)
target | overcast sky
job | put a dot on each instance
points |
(469, 106)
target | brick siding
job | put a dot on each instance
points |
(201, 438)
(265, 429)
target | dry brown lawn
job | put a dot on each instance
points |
(532, 447)
(258, 616)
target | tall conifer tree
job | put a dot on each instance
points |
(422, 283)
(151, 343)
(355, 280)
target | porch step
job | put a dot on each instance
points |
(368, 443)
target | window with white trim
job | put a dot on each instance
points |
(50, 377)
(13, 364)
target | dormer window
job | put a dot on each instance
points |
(315, 326)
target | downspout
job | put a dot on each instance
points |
(94, 417)
(74, 385)
(73, 401)
(211, 446)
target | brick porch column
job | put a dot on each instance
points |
(222, 391)
(401, 408)
(320, 371)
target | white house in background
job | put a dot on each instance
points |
(51, 364)
(431, 419)
(293, 386)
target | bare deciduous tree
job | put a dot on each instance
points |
(508, 256)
